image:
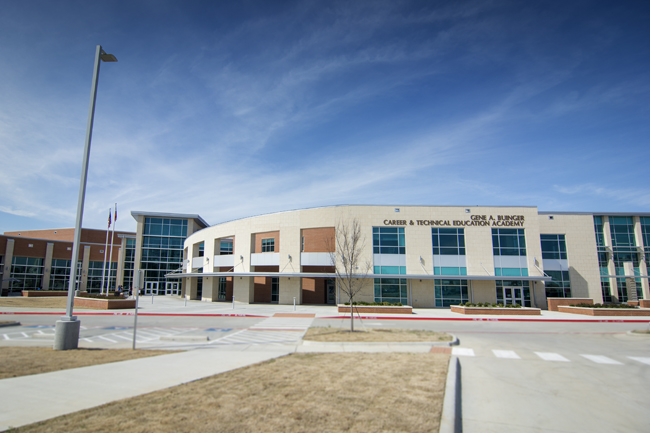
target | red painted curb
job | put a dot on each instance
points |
(490, 319)
(47, 313)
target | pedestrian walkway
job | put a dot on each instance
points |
(28, 399)
(552, 356)
(280, 328)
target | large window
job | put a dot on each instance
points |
(268, 245)
(60, 274)
(553, 247)
(448, 242)
(275, 290)
(559, 286)
(600, 232)
(129, 264)
(162, 248)
(451, 292)
(221, 294)
(29, 272)
(391, 290)
(509, 242)
(622, 229)
(94, 281)
(225, 248)
(388, 240)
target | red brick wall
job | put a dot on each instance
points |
(318, 240)
(266, 235)
(553, 303)
(314, 289)
(262, 285)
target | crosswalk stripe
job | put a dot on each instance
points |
(462, 351)
(549, 356)
(508, 354)
(644, 360)
(599, 359)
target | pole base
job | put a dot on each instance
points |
(66, 333)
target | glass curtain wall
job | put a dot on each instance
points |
(60, 274)
(129, 264)
(391, 243)
(624, 248)
(162, 248)
(603, 259)
(554, 248)
(29, 272)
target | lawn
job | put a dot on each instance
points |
(374, 335)
(356, 392)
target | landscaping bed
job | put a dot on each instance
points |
(376, 309)
(553, 303)
(104, 304)
(497, 311)
(43, 293)
(590, 311)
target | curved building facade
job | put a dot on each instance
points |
(424, 256)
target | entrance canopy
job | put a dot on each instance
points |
(333, 275)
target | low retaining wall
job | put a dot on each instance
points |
(553, 303)
(39, 293)
(104, 304)
(605, 311)
(497, 311)
(644, 303)
(376, 309)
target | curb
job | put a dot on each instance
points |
(637, 334)
(451, 420)
(2, 325)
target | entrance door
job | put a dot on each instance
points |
(513, 295)
(330, 286)
(172, 289)
(151, 287)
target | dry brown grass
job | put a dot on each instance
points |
(43, 302)
(356, 392)
(374, 335)
(22, 361)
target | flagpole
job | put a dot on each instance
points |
(105, 248)
(110, 255)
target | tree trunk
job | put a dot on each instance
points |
(351, 315)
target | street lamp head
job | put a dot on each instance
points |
(107, 57)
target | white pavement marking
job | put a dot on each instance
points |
(599, 359)
(107, 339)
(508, 354)
(640, 359)
(462, 351)
(6, 336)
(549, 356)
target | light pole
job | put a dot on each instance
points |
(66, 335)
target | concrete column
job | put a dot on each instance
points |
(47, 266)
(121, 252)
(191, 292)
(84, 269)
(290, 288)
(139, 232)
(9, 257)
(243, 289)
(643, 265)
(630, 282)
(210, 287)
(611, 269)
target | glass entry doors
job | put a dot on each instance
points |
(172, 289)
(151, 287)
(330, 286)
(513, 295)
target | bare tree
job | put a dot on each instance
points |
(351, 271)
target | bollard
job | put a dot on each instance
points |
(186, 301)
(233, 302)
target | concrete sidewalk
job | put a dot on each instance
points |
(29, 399)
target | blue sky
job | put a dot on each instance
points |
(232, 109)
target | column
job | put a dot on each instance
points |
(243, 289)
(47, 266)
(290, 288)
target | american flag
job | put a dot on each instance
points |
(109, 218)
